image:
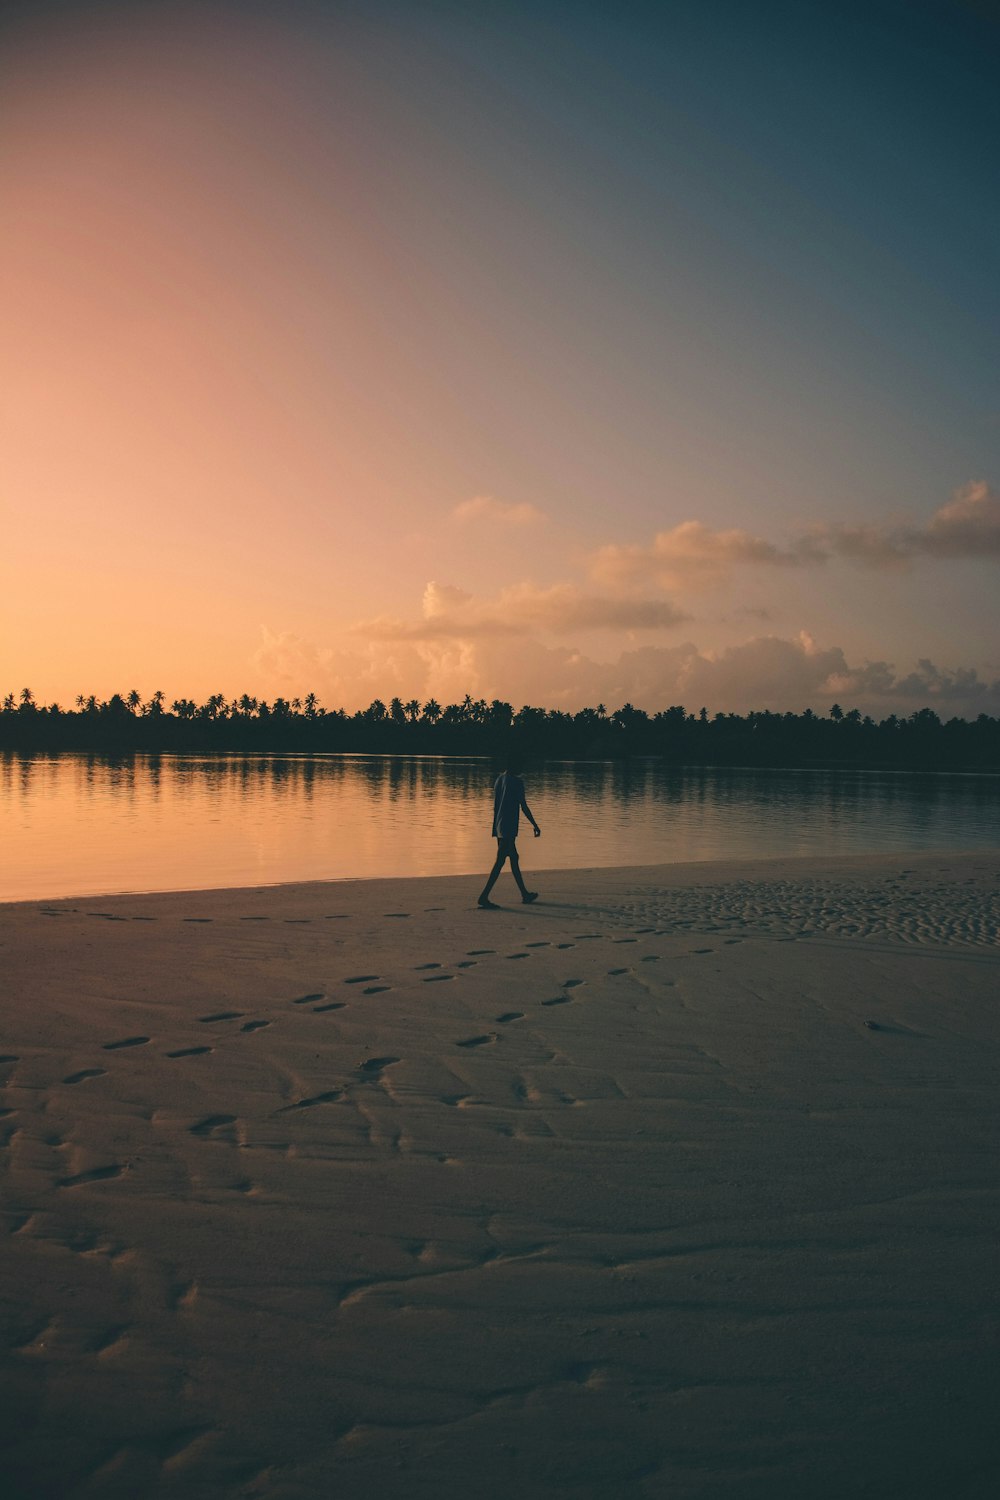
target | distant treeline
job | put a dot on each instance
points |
(125, 722)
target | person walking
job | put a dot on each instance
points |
(508, 800)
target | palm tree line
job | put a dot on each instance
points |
(127, 722)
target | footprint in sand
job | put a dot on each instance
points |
(308, 999)
(373, 1066)
(196, 919)
(85, 1073)
(329, 1097)
(565, 945)
(479, 1041)
(128, 1041)
(376, 989)
(571, 984)
(255, 1025)
(297, 921)
(397, 914)
(543, 944)
(557, 1000)
(9, 1057)
(479, 952)
(618, 971)
(357, 979)
(466, 963)
(508, 1015)
(189, 1052)
(437, 978)
(332, 1005)
(96, 1174)
(212, 1123)
(255, 919)
(221, 1015)
(418, 967)
(624, 940)
(650, 958)
(518, 955)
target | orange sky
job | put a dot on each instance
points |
(287, 289)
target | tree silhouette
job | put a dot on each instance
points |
(473, 726)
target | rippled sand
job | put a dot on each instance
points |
(681, 1182)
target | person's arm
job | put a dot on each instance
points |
(529, 814)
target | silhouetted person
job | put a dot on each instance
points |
(508, 800)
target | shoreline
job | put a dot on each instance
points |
(668, 873)
(679, 1181)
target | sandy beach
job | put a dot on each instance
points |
(679, 1183)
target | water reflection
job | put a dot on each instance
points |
(78, 824)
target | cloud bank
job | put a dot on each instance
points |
(521, 609)
(692, 555)
(765, 672)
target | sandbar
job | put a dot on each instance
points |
(680, 1183)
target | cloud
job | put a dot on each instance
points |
(765, 672)
(693, 555)
(485, 508)
(968, 526)
(449, 612)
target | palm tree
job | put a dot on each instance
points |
(133, 699)
(311, 702)
(412, 708)
(432, 710)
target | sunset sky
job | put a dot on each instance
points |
(559, 352)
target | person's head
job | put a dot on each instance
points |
(513, 765)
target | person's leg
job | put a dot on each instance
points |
(498, 865)
(515, 870)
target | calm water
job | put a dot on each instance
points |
(80, 825)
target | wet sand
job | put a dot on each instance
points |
(680, 1183)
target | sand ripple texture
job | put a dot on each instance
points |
(678, 1184)
(898, 907)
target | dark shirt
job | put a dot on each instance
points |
(508, 799)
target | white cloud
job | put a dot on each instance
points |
(485, 508)
(449, 612)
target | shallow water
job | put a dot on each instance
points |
(80, 825)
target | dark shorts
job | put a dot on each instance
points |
(506, 847)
